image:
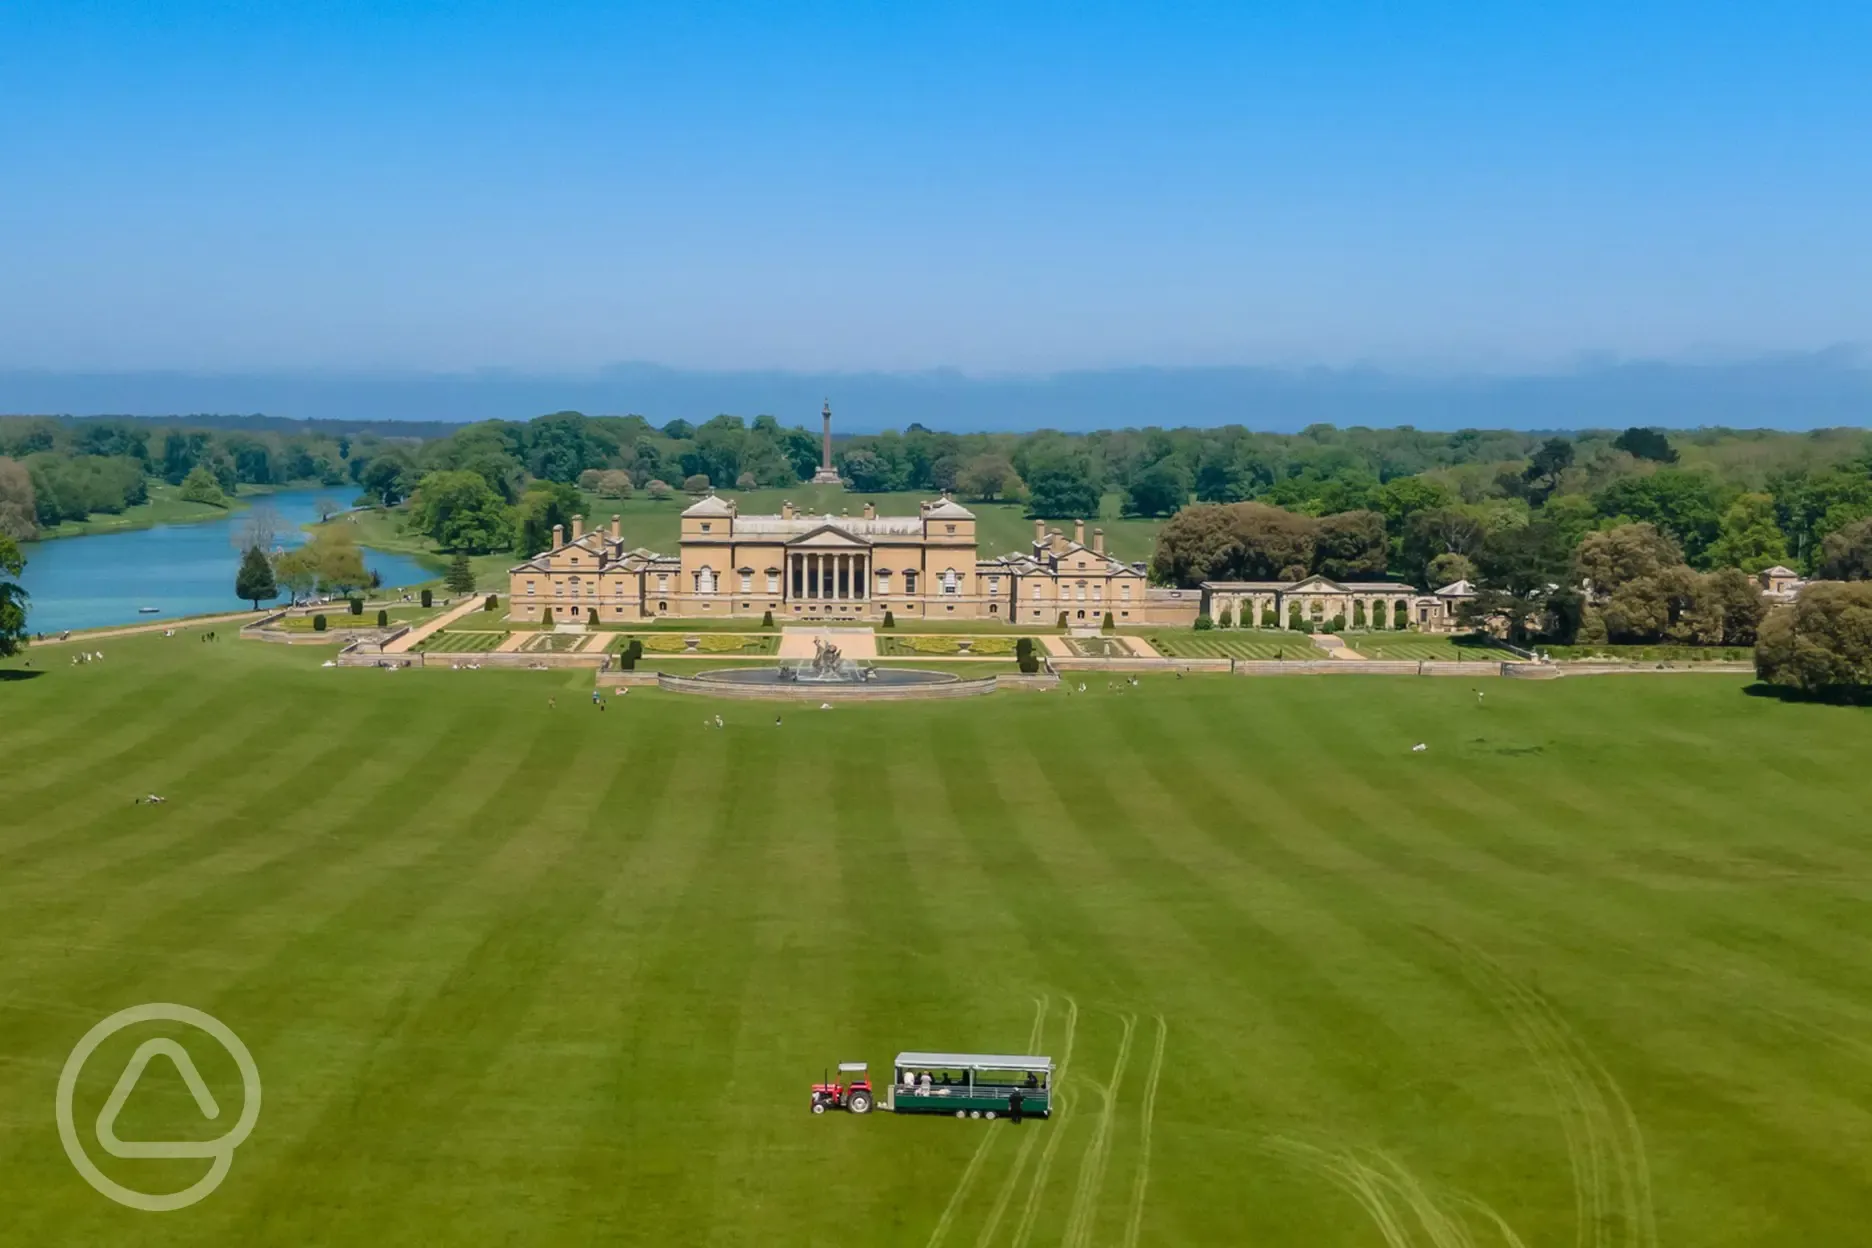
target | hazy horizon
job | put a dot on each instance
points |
(1784, 391)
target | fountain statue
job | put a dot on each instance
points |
(828, 665)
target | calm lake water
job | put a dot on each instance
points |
(180, 569)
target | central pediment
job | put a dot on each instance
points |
(828, 537)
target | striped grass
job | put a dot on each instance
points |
(1591, 969)
(1233, 644)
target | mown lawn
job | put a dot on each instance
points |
(1234, 644)
(1595, 962)
(1422, 646)
(460, 641)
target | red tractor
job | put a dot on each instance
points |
(837, 1094)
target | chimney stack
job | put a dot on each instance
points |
(617, 527)
(786, 510)
(578, 527)
(558, 536)
(870, 512)
(1039, 530)
(1098, 541)
(1078, 530)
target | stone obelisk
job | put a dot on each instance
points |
(827, 474)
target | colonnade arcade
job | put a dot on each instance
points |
(829, 577)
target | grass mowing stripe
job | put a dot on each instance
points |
(448, 960)
(195, 840)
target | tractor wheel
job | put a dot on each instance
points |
(974, 1113)
(860, 1103)
(989, 1115)
(961, 1113)
(818, 1107)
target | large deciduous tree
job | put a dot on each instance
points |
(1822, 645)
(13, 598)
(988, 476)
(1351, 545)
(1061, 484)
(545, 504)
(1158, 490)
(1846, 553)
(1750, 539)
(18, 508)
(1199, 543)
(459, 510)
(200, 486)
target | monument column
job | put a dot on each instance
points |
(827, 474)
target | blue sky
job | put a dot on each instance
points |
(992, 187)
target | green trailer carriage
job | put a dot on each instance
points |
(970, 1085)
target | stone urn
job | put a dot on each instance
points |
(965, 644)
(691, 644)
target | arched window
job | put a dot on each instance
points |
(705, 580)
(951, 580)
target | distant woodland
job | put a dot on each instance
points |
(1526, 517)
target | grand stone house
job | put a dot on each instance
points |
(844, 567)
(1320, 599)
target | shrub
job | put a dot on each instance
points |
(428, 598)
(766, 619)
(318, 623)
(357, 606)
(658, 490)
(1358, 613)
(1338, 623)
(1400, 617)
(1296, 621)
(1062, 621)
(1270, 618)
(890, 621)
(696, 483)
(383, 618)
(627, 658)
(591, 616)
(492, 603)
(1225, 618)
(1024, 656)
(1107, 624)
(1204, 623)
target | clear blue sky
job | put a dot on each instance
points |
(991, 186)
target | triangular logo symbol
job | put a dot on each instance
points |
(126, 1083)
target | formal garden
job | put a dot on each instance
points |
(1235, 644)
(460, 641)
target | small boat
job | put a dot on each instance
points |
(148, 610)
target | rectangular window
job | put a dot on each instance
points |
(909, 582)
(1125, 590)
(705, 526)
(951, 528)
(994, 584)
(773, 582)
(529, 587)
(747, 582)
(951, 582)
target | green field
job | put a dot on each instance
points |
(517, 973)
(1234, 644)
(662, 643)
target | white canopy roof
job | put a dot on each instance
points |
(974, 1061)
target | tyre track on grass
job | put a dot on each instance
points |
(1008, 1184)
(1055, 1133)
(1135, 1223)
(1084, 1212)
(981, 1150)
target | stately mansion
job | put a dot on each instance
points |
(844, 567)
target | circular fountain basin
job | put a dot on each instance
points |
(770, 682)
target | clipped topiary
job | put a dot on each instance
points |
(1204, 623)
(357, 606)
(318, 623)
(766, 619)
(492, 603)
(890, 621)
(591, 616)
(428, 598)
(383, 618)
(1108, 624)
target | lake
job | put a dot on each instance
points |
(180, 569)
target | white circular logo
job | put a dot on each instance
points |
(220, 1151)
